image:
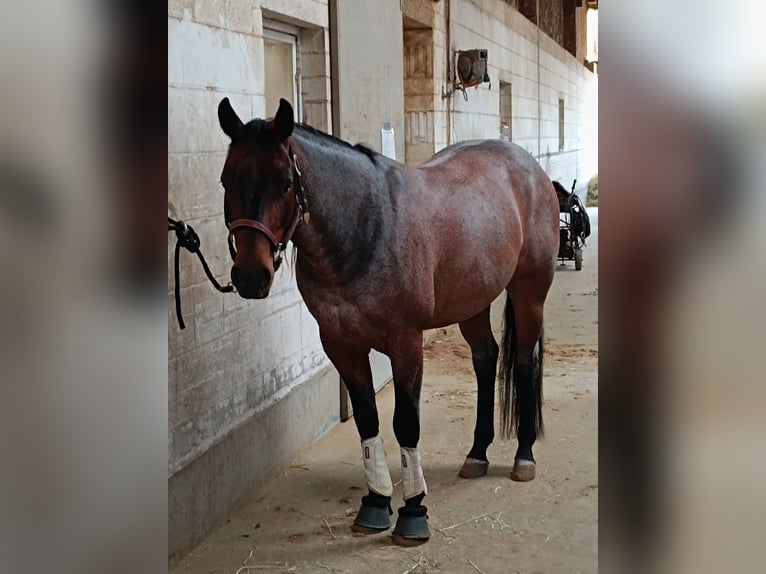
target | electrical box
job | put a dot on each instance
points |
(471, 68)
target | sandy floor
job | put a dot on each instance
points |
(300, 521)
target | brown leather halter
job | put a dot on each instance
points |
(301, 214)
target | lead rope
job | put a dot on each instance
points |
(186, 237)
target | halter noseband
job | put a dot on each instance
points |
(301, 214)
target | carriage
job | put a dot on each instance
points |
(574, 225)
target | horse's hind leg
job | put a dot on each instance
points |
(526, 300)
(407, 365)
(477, 332)
(354, 367)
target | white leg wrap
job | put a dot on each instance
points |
(375, 466)
(413, 481)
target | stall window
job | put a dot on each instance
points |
(280, 61)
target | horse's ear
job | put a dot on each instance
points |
(227, 117)
(283, 121)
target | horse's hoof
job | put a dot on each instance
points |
(402, 541)
(473, 468)
(372, 520)
(358, 528)
(411, 530)
(523, 470)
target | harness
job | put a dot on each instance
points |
(300, 215)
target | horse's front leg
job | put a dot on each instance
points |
(407, 365)
(354, 367)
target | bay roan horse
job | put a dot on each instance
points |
(389, 251)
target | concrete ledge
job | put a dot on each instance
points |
(201, 495)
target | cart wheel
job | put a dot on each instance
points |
(578, 259)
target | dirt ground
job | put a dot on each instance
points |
(299, 522)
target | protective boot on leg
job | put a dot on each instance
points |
(375, 513)
(412, 523)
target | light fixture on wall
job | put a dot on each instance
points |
(470, 69)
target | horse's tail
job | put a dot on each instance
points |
(520, 388)
(508, 394)
(537, 387)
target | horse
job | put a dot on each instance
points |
(385, 252)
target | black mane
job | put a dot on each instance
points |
(259, 131)
(332, 139)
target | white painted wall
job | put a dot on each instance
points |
(235, 357)
(370, 80)
(538, 77)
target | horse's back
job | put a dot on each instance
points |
(474, 149)
(498, 171)
(488, 204)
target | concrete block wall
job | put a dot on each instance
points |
(235, 355)
(236, 360)
(314, 70)
(418, 95)
(512, 42)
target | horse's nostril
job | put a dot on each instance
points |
(250, 281)
(265, 277)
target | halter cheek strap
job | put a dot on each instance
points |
(300, 215)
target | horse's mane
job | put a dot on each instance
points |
(339, 142)
(260, 131)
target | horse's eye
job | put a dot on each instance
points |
(288, 185)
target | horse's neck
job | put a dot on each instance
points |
(348, 212)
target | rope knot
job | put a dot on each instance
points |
(187, 237)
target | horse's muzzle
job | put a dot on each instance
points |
(252, 285)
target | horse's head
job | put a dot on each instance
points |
(260, 205)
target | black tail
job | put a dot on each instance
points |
(521, 388)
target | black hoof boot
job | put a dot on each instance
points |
(374, 515)
(412, 524)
